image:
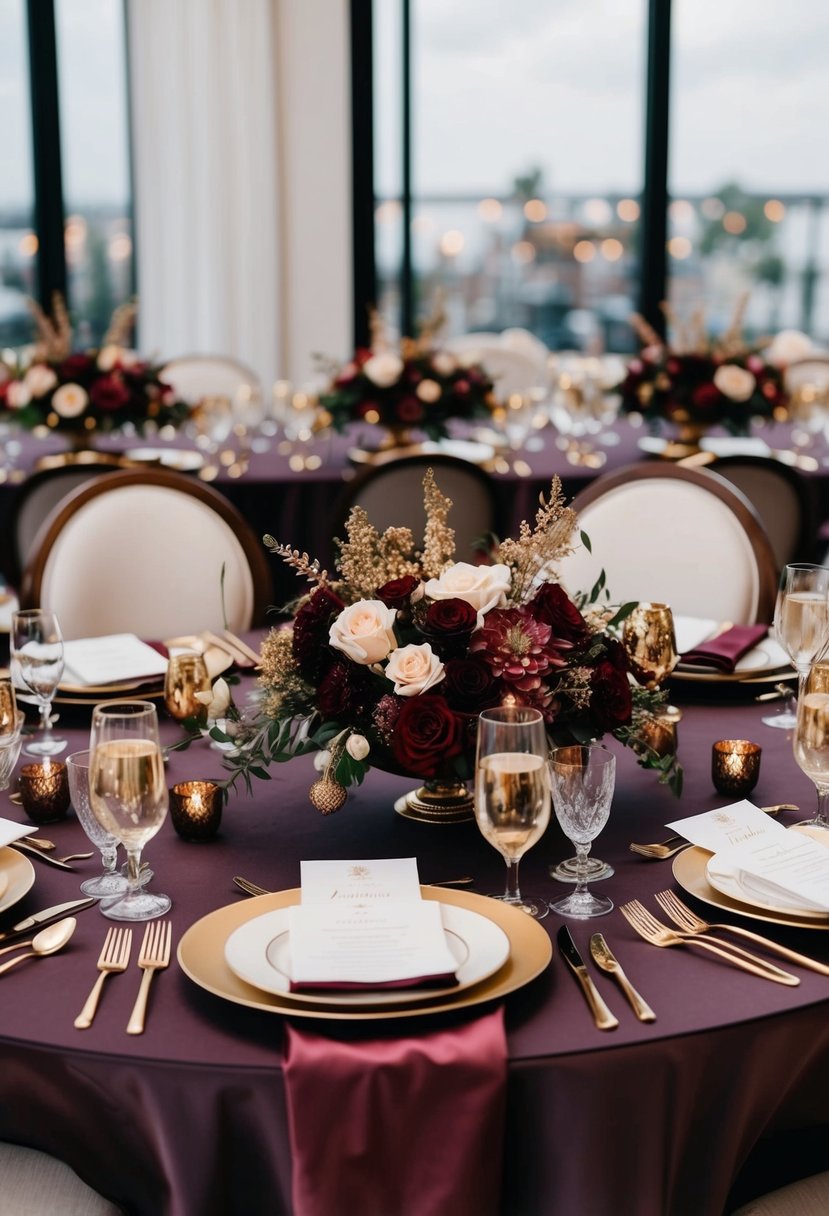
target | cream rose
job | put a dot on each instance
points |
(40, 380)
(216, 700)
(734, 382)
(363, 631)
(444, 363)
(413, 669)
(484, 587)
(18, 395)
(383, 369)
(70, 400)
(787, 347)
(429, 391)
(357, 747)
(109, 356)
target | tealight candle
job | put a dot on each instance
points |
(44, 791)
(735, 766)
(196, 809)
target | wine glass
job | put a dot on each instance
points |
(128, 794)
(37, 664)
(512, 790)
(583, 777)
(811, 738)
(109, 882)
(801, 624)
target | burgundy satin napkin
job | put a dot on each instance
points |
(723, 652)
(408, 1126)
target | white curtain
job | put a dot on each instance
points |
(203, 84)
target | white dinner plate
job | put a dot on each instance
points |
(765, 659)
(259, 953)
(19, 874)
(727, 882)
(173, 458)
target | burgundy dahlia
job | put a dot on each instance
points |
(518, 648)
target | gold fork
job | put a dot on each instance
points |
(653, 931)
(684, 918)
(154, 956)
(114, 956)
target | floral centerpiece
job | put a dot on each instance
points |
(390, 662)
(103, 389)
(418, 386)
(698, 381)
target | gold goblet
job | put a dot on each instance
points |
(186, 675)
(650, 644)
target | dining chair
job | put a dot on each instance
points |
(147, 551)
(807, 1197)
(674, 535)
(392, 495)
(782, 499)
(35, 1184)
(194, 377)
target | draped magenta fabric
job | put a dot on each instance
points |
(381, 1127)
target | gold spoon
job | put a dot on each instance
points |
(48, 941)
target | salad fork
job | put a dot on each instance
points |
(684, 918)
(114, 956)
(653, 931)
(154, 956)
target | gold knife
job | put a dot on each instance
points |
(603, 957)
(602, 1016)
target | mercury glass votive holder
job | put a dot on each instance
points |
(44, 791)
(196, 809)
(660, 734)
(735, 766)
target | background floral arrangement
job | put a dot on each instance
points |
(417, 386)
(701, 379)
(390, 663)
(99, 389)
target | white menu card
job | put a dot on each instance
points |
(767, 859)
(109, 659)
(364, 924)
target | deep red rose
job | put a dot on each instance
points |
(706, 397)
(342, 690)
(427, 735)
(409, 409)
(75, 367)
(610, 698)
(398, 591)
(461, 387)
(553, 606)
(469, 685)
(452, 616)
(311, 625)
(109, 393)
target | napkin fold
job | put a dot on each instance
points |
(397, 1126)
(723, 652)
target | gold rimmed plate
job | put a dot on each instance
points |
(19, 875)
(690, 871)
(201, 955)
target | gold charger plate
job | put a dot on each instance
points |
(689, 871)
(19, 874)
(201, 956)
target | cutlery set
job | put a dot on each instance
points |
(604, 958)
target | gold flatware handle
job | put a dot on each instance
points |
(637, 1002)
(766, 971)
(84, 1019)
(792, 955)
(602, 1016)
(139, 1009)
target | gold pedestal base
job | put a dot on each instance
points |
(434, 803)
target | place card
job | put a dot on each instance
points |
(361, 882)
(110, 659)
(728, 827)
(11, 831)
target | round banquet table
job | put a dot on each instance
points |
(724, 1095)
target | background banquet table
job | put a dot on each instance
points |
(189, 1119)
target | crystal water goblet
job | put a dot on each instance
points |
(583, 778)
(109, 882)
(512, 790)
(37, 665)
(128, 794)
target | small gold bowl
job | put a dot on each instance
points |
(44, 791)
(735, 766)
(196, 809)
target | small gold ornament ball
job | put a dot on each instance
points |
(327, 795)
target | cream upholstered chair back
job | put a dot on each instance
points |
(143, 552)
(35, 1184)
(678, 536)
(513, 368)
(194, 377)
(392, 495)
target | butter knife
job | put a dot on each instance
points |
(604, 957)
(56, 912)
(602, 1016)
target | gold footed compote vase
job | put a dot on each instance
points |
(438, 801)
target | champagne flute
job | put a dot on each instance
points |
(801, 624)
(811, 738)
(37, 664)
(128, 794)
(512, 790)
(583, 778)
(109, 882)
